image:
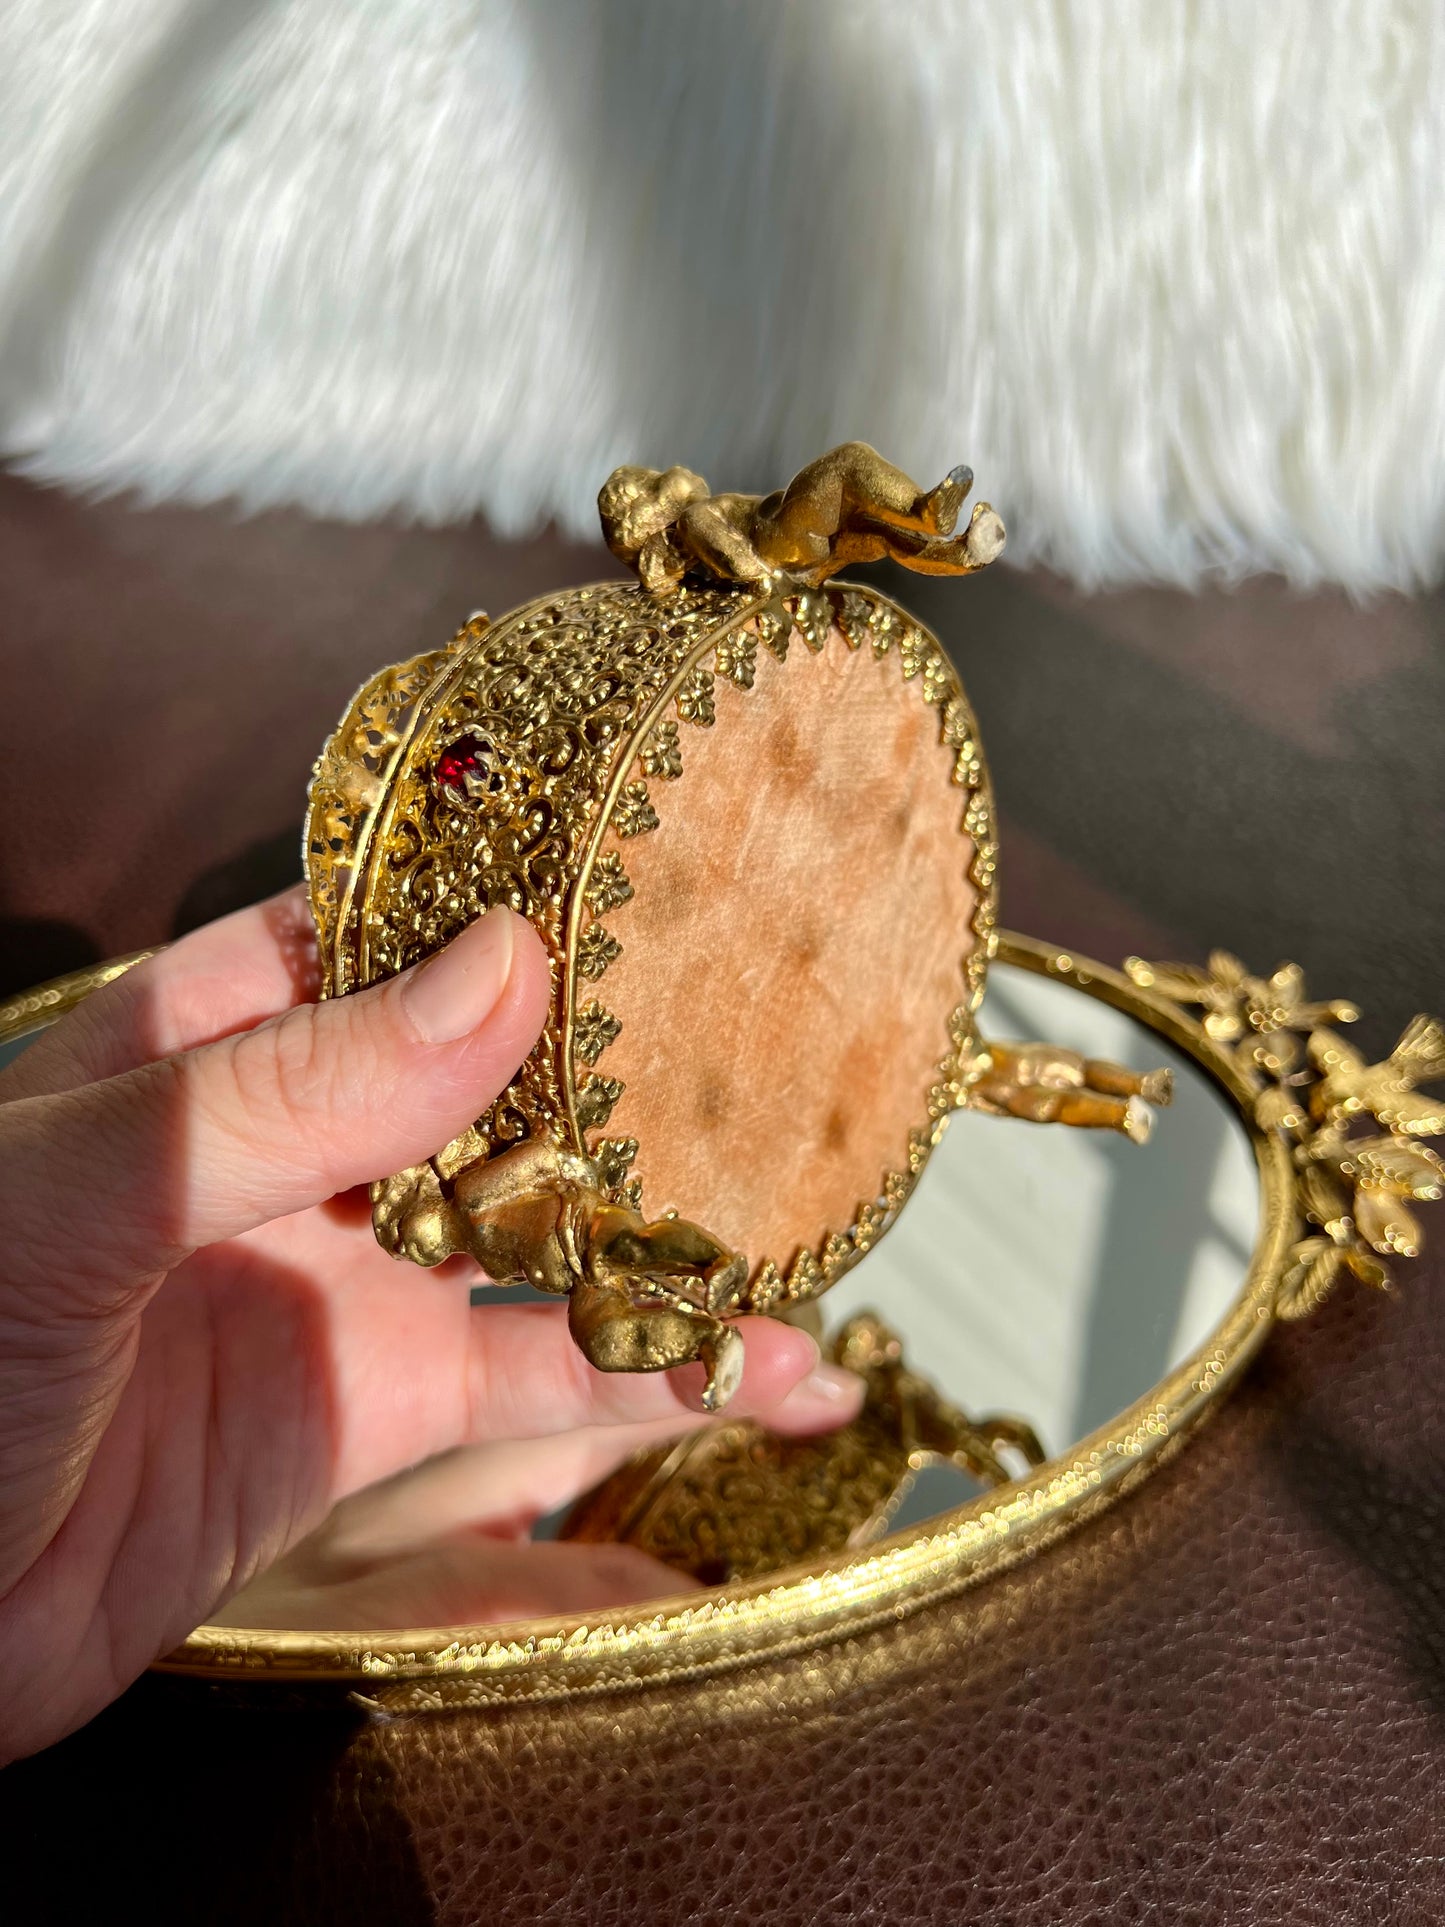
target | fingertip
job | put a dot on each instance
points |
(513, 1019)
(829, 1397)
(528, 993)
(776, 1358)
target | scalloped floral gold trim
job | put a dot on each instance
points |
(864, 616)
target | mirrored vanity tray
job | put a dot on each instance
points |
(847, 1140)
(1068, 1288)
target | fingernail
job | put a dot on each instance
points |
(459, 988)
(828, 1385)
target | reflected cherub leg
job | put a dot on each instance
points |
(1155, 1087)
(1046, 1084)
(1001, 1428)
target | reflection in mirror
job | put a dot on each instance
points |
(1059, 1274)
(1047, 1274)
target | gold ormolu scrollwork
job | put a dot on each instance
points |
(691, 1637)
(494, 770)
(1355, 1185)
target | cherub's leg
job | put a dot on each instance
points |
(979, 544)
(413, 1218)
(847, 483)
(537, 1165)
(1155, 1087)
(617, 1335)
(855, 477)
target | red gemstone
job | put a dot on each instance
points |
(467, 766)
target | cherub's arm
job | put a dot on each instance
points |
(537, 1166)
(714, 532)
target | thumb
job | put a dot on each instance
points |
(139, 1170)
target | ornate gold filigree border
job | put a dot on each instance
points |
(673, 652)
(440, 1667)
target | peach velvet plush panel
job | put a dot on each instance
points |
(792, 950)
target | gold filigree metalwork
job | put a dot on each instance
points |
(735, 1501)
(495, 771)
(348, 782)
(1315, 1089)
(1266, 1017)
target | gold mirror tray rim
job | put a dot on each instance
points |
(435, 1667)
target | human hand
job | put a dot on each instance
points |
(202, 1348)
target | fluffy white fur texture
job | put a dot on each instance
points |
(1170, 276)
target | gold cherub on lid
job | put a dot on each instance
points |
(847, 506)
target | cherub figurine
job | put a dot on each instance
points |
(645, 1297)
(1047, 1084)
(847, 506)
(538, 1213)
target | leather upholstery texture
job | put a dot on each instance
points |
(1222, 1702)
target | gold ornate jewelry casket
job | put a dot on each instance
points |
(749, 815)
(747, 811)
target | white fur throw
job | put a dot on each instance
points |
(1170, 276)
